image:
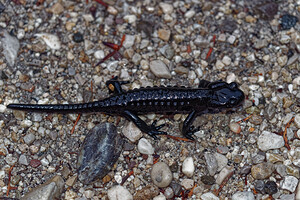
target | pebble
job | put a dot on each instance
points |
(188, 167)
(144, 44)
(161, 174)
(208, 180)
(2, 108)
(119, 192)
(289, 183)
(52, 189)
(51, 40)
(270, 187)
(129, 41)
(100, 150)
(112, 10)
(231, 39)
(164, 34)
(226, 60)
(189, 14)
(78, 37)
(293, 59)
(71, 180)
(168, 51)
(130, 19)
(223, 174)
(209, 196)
(282, 60)
(145, 147)
(35, 163)
(159, 69)
(288, 21)
(297, 120)
(132, 132)
(243, 196)
(221, 160)
(262, 170)
(268, 140)
(187, 183)
(10, 159)
(136, 58)
(288, 197)
(166, 8)
(10, 46)
(160, 197)
(99, 54)
(235, 127)
(211, 163)
(57, 8)
(260, 186)
(23, 160)
(219, 65)
(251, 57)
(29, 138)
(147, 192)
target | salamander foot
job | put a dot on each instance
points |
(191, 131)
(154, 130)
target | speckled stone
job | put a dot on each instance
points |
(262, 171)
(161, 174)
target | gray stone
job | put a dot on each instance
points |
(100, 150)
(243, 196)
(289, 183)
(268, 140)
(52, 189)
(211, 162)
(11, 47)
(23, 160)
(129, 41)
(159, 69)
(161, 175)
(29, 138)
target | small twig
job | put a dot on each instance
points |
(223, 183)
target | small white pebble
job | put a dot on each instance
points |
(251, 57)
(51, 41)
(231, 39)
(219, 65)
(144, 147)
(189, 14)
(119, 192)
(188, 167)
(130, 18)
(2, 108)
(226, 60)
(230, 78)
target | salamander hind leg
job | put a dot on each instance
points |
(151, 130)
(187, 129)
(114, 86)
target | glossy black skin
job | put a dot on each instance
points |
(210, 96)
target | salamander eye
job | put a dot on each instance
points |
(233, 85)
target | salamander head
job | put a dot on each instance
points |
(225, 95)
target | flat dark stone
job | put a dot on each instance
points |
(100, 151)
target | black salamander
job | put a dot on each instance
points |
(210, 96)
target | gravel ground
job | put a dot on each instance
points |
(49, 54)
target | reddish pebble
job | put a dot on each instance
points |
(35, 163)
(235, 127)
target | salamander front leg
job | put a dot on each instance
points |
(188, 130)
(114, 86)
(152, 130)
